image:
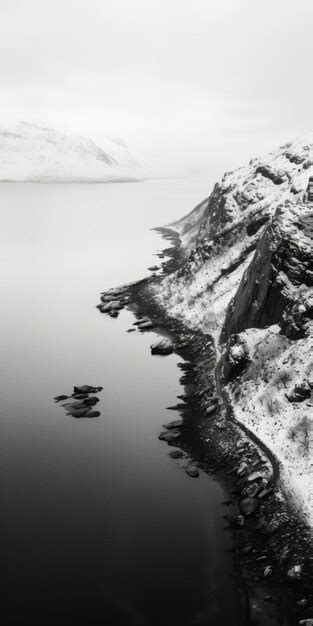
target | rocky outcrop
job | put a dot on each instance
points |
(162, 347)
(279, 276)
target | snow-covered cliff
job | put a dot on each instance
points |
(36, 154)
(247, 280)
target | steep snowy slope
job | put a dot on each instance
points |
(247, 280)
(36, 154)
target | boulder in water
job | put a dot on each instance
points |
(169, 435)
(86, 389)
(92, 413)
(79, 412)
(146, 325)
(163, 347)
(192, 471)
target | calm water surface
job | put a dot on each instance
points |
(98, 524)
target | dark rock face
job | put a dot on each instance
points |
(274, 280)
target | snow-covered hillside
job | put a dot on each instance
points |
(247, 280)
(36, 154)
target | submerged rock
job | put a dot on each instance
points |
(267, 571)
(192, 471)
(92, 413)
(83, 402)
(59, 398)
(163, 346)
(108, 298)
(174, 424)
(79, 404)
(236, 520)
(248, 506)
(78, 412)
(141, 321)
(113, 313)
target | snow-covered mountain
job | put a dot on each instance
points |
(36, 154)
(247, 280)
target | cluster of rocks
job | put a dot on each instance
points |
(81, 401)
(144, 323)
(171, 435)
(112, 302)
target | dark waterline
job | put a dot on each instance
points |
(98, 524)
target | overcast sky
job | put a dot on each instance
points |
(194, 87)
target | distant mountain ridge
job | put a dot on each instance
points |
(31, 153)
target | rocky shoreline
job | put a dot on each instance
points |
(271, 544)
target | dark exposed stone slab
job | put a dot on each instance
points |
(163, 347)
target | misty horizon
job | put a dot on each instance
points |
(191, 90)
